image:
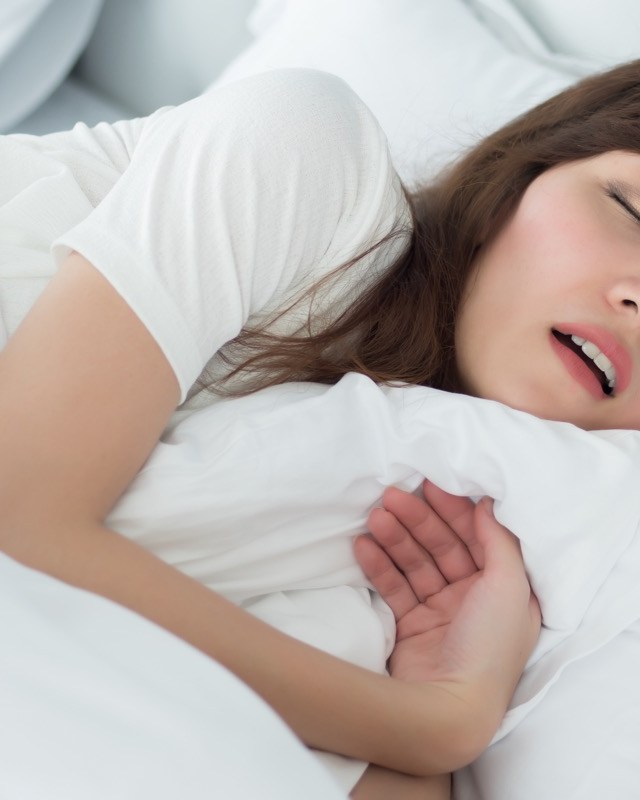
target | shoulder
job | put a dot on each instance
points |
(312, 130)
(279, 115)
(303, 97)
(299, 142)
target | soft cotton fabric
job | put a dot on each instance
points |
(434, 74)
(580, 743)
(97, 702)
(260, 498)
(235, 204)
(40, 40)
(210, 216)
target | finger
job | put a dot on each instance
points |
(458, 513)
(506, 570)
(385, 577)
(415, 563)
(502, 553)
(447, 550)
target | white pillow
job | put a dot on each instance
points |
(510, 23)
(581, 743)
(260, 497)
(607, 31)
(16, 17)
(40, 40)
(263, 494)
(433, 74)
(264, 14)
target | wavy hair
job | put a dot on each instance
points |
(402, 328)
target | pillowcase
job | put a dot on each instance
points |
(40, 41)
(581, 743)
(516, 28)
(607, 32)
(432, 73)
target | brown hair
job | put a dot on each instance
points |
(402, 329)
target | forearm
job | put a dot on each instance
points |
(379, 783)
(330, 704)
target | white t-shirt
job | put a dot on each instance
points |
(208, 216)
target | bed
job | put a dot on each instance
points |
(437, 75)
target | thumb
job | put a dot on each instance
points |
(500, 547)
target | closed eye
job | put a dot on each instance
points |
(617, 191)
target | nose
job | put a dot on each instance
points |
(624, 296)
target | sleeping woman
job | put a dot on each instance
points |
(260, 235)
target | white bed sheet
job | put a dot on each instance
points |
(581, 743)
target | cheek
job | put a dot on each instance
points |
(501, 278)
(499, 297)
(535, 253)
(553, 231)
(477, 332)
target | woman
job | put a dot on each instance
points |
(286, 202)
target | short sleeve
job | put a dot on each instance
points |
(233, 200)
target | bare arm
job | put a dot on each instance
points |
(85, 393)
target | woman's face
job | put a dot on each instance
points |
(562, 276)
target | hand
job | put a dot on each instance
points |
(455, 581)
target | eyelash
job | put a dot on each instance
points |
(615, 193)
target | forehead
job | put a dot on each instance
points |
(572, 180)
(611, 161)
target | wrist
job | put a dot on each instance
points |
(467, 715)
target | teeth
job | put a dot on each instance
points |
(598, 358)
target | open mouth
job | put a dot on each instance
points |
(594, 360)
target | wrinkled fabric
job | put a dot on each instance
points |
(260, 497)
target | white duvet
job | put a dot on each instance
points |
(260, 497)
(100, 704)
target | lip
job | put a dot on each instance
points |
(608, 344)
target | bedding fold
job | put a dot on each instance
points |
(263, 494)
